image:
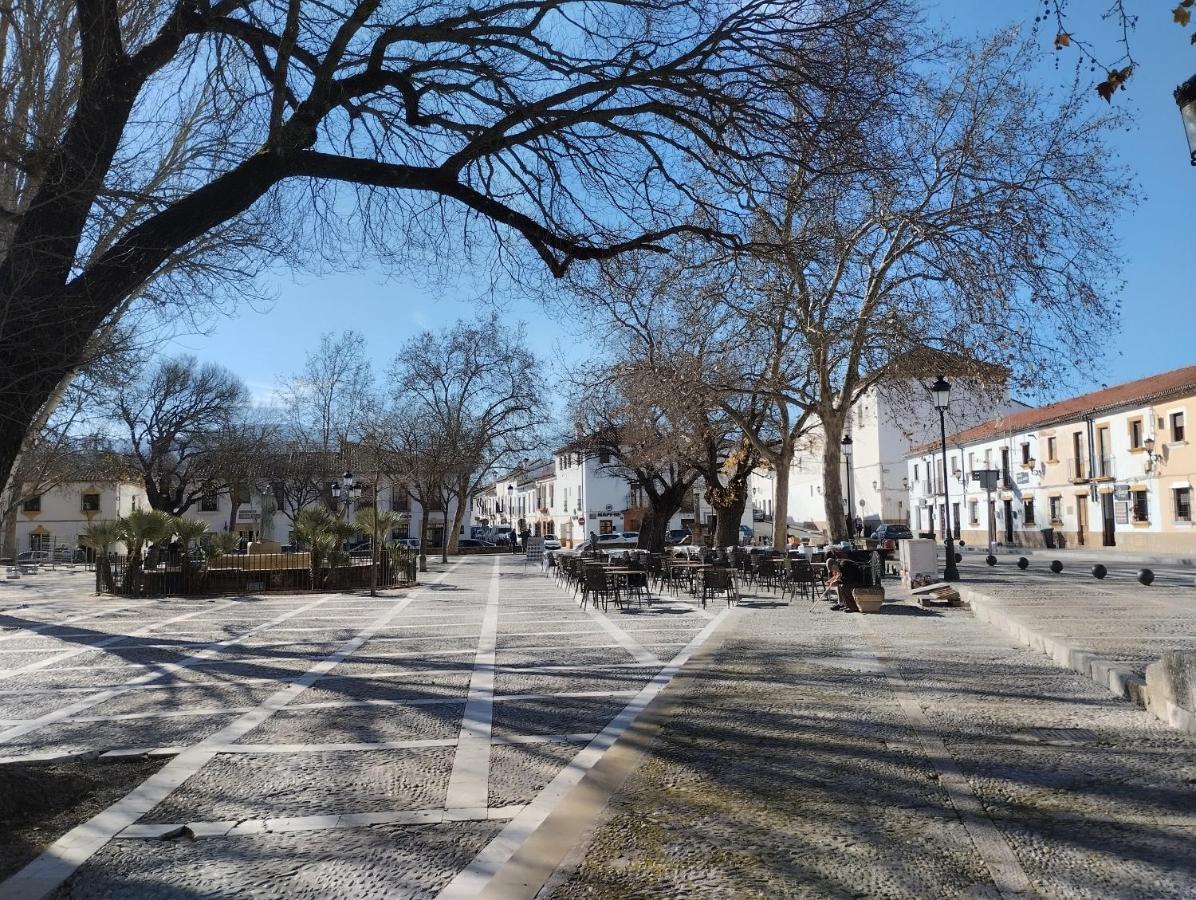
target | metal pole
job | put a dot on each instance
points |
(850, 505)
(950, 572)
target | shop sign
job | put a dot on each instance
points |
(1121, 493)
(248, 514)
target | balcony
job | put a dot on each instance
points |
(1077, 470)
(1104, 469)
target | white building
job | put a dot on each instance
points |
(886, 423)
(1112, 468)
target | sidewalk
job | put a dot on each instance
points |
(1106, 555)
(908, 754)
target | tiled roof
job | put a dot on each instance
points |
(1131, 393)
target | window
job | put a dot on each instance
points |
(400, 500)
(603, 457)
(208, 503)
(1056, 510)
(1136, 434)
(1052, 448)
(33, 504)
(1177, 426)
(1028, 511)
(90, 503)
(1141, 506)
(1025, 453)
(400, 531)
(1183, 504)
(917, 471)
(974, 512)
(39, 542)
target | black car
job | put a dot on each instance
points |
(473, 542)
(887, 536)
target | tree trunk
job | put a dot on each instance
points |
(780, 498)
(652, 530)
(423, 538)
(8, 537)
(726, 532)
(662, 506)
(832, 480)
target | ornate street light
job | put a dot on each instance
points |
(346, 489)
(941, 390)
(847, 447)
(1185, 98)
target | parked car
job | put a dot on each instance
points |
(472, 542)
(33, 556)
(675, 536)
(887, 537)
(409, 542)
(551, 542)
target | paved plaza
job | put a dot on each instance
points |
(326, 745)
(428, 742)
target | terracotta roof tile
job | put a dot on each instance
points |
(1131, 393)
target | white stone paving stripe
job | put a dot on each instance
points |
(286, 824)
(95, 699)
(623, 639)
(98, 645)
(1002, 863)
(469, 783)
(473, 878)
(62, 858)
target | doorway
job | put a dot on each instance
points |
(1081, 520)
(1008, 521)
(1109, 538)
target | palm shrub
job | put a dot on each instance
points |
(138, 528)
(220, 543)
(315, 529)
(378, 523)
(188, 531)
(99, 538)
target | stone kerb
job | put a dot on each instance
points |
(1171, 689)
(1116, 676)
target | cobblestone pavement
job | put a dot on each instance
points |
(323, 745)
(911, 754)
(1116, 619)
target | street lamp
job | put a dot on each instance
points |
(1185, 99)
(1151, 458)
(847, 446)
(941, 390)
(346, 488)
(511, 505)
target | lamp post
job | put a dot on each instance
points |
(941, 390)
(1185, 99)
(847, 448)
(346, 489)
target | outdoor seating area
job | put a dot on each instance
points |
(625, 576)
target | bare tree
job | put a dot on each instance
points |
(982, 241)
(475, 387)
(330, 402)
(581, 137)
(183, 424)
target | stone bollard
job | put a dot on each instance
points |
(1023, 563)
(1099, 571)
(1056, 566)
(990, 559)
(1145, 576)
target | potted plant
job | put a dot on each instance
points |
(869, 599)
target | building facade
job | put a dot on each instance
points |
(1112, 468)
(886, 423)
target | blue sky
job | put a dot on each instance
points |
(1158, 329)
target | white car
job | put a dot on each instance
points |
(551, 542)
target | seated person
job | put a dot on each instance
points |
(844, 576)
